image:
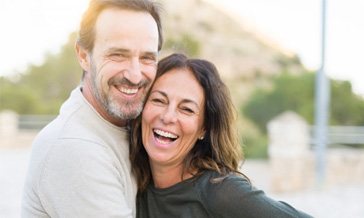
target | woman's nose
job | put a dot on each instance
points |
(169, 115)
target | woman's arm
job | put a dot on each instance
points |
(236, 197)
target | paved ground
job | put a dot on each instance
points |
(333, 202)
(13, 165)
(328, 202)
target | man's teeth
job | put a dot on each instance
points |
(165, 134)
(128, 91)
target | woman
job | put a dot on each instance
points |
(185, 152)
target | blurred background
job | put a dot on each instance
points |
(268, 52)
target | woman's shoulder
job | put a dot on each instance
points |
(214, 183)
(223, 194)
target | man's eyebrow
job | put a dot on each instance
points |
(127, 51)
(150, 53)
(118, 50)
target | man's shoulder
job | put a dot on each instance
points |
(71, 154)
(79, 125)
(76, 169)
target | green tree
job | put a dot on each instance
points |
(185, 43)
(296, 93)
(346, 107)
(17, 98)
(42, 89)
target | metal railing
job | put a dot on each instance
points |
(343, 135)
(34, 122)
(336, 134)
(346, 135)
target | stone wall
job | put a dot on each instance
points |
(10, 135)
(292, 160)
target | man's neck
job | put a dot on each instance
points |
(87, 93)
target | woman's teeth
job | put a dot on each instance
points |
(165, 134)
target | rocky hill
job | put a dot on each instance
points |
(243, 59)
(199, 28)
(193, 26)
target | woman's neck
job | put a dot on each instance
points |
(167, 176)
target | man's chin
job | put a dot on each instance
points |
(125, 113)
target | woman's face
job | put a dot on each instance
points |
(173, 117)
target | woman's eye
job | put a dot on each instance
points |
(188, 110)
(157, 100)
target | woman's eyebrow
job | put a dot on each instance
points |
(185, 100)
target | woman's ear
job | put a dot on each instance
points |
(83, 57)
(202, 135)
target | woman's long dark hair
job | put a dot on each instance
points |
(219, 150)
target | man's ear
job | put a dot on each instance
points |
(83, 57)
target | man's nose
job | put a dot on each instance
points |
(133, 72)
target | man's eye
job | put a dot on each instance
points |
(117, 57)
(148, 60)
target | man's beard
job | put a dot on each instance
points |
(123, 110)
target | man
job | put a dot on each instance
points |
(79, 165)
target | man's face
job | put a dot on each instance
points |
(123, 62)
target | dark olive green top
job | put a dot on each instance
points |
(200, 197)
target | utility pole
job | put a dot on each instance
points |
(322, 99)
